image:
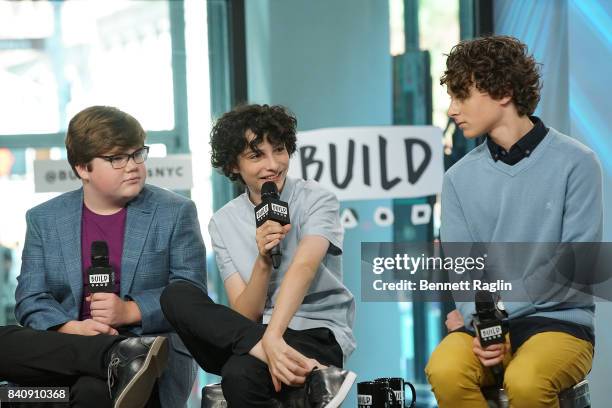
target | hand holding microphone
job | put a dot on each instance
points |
(268, 236)
(110, 309)
(491, 329)
(272, 221)
(101, 275)
(100, 278)
(106, 307)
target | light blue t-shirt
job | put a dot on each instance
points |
(312, 211)
(554, 195)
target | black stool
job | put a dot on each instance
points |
(575, 397)
(212, 396)
(291, 397)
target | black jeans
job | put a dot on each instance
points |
(47, 358)
(220, 338)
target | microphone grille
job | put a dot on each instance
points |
(269, 189)
(484, 300)
(99, 248)
(99, 253)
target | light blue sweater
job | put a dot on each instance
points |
(554, 195)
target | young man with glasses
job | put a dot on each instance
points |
(153, 238)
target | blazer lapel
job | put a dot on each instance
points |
(69, 231)
(139, 217)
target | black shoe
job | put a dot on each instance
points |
(292, 397)
(328, 387)
(135, 364)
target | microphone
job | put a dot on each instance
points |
(490, 324)
(272, 208)
(101, 277)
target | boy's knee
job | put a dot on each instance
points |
(167, 294)
(452, 368)
(526, 388)
(446, 377)
(171, 296)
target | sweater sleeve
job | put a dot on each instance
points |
(583, 209)
(454, 228)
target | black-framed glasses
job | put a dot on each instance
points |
(119, 161)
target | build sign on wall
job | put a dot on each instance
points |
(372, 162)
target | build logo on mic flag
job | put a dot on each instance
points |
(101, 276)
(272, 209)
(261, 214)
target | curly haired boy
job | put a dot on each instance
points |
(526, 183)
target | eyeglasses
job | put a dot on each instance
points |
(119, 161)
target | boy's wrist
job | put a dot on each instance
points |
(265, 262)
(273, 332)
(132, 313)
(68, 327)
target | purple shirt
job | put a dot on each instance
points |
(96, 227)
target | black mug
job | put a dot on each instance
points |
(372, 394)
(398, 385)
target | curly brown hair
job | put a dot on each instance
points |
(228, 136)
(498, 65)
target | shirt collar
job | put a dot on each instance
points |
(523, 147)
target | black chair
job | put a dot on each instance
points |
(575, 397)
(212, 396)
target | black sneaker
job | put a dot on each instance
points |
(292, 397)
(135, 364)
(328, 387)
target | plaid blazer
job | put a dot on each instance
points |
(162, 244)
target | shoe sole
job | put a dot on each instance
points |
(137, 392)
(342, 391)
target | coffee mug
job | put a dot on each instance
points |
(398, 385)
(372, 394)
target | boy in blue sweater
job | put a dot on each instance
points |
(526, 183)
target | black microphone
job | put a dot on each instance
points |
(101, 276)
(272, 208)
(491, 327)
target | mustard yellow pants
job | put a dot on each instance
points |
(543, 366)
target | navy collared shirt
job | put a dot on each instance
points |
(523, 147)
